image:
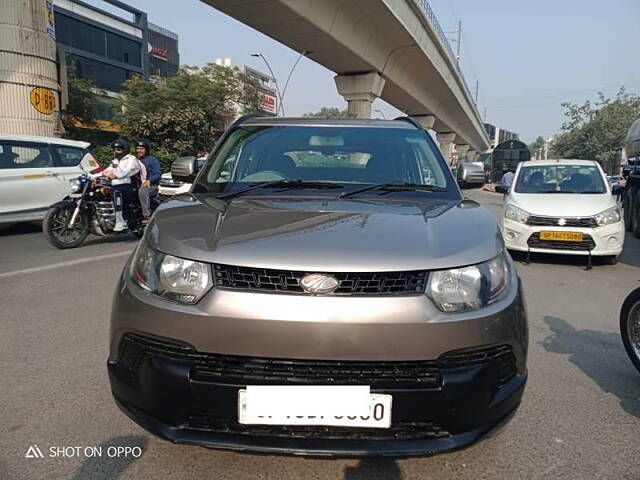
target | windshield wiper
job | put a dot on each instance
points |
(281, 183)
(395, 187)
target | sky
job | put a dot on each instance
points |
(527, 57)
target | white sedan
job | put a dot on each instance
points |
(562, 206)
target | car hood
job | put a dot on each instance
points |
(564, 205)
(326, 235)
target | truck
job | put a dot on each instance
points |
(631, 198)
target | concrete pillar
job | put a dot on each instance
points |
(427, 121)
(360, 91)
(472, 156)
(462, 152)
(446, 145)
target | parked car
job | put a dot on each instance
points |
(562, 206)
(169, 187)
(35, 173)
(471, 174)
(317, 293)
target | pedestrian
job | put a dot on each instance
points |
(622, 186)
(149, 187)
(507, 177)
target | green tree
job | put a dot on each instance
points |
(82, 106)
(187, 113)
(596, 131)
(328, 112)
(536, 145)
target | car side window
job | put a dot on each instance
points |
(68, 156)
(19, 155)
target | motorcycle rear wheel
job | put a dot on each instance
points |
(56, 226)
(630, 326)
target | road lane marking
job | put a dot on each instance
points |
(69, 263)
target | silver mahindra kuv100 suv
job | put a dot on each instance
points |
(323, 289)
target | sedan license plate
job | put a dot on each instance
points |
(379, 415)
(562, 236)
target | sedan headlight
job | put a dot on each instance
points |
(174, 278)
(609, 216)
(470, 288)
(516, 214)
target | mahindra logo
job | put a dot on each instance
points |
(319, 283)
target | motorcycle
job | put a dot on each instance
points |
(88, 209)
(630, 326)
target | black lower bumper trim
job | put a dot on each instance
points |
(309, 447)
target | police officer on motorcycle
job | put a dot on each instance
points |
(123, 168)
(149, 187)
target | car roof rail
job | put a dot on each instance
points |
(410, 120)
(246, 117)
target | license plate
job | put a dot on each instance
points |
(562, 236)
(379, 415)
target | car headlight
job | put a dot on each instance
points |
(75, 186)
(516, 214)
(609, 216)
(174, 278)
(470, 288)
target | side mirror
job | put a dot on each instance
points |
(502, 189)
(184, 169)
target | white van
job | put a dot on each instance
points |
(35, 173)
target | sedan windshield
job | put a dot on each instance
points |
(303, 158)
(583, 179)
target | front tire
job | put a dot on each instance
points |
(56, 226)
(630, 326)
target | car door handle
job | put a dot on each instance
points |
(51, 174)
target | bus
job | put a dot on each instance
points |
(505, 156)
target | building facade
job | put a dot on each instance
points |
(266, 84)
(109, 48)
(498, 135)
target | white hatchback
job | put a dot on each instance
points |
(562, 206)
(35, 173)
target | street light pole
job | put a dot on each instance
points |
(286, 84)
(275, 80)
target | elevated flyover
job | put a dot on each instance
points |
(392, 49)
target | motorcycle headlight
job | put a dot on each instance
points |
(173, 278)
(74, 186)
(609, 216)
(470, 288)
(516, 214)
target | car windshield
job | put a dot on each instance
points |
(583, 179)
(347, 158)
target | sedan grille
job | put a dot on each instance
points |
(287, 281)
(586, 244)
(582, 222)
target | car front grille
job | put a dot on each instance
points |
(287, 281)
(397, 431)
(582, 222)
(245, 370)
(586, 244)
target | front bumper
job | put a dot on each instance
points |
(607, 240)
(161, 385)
